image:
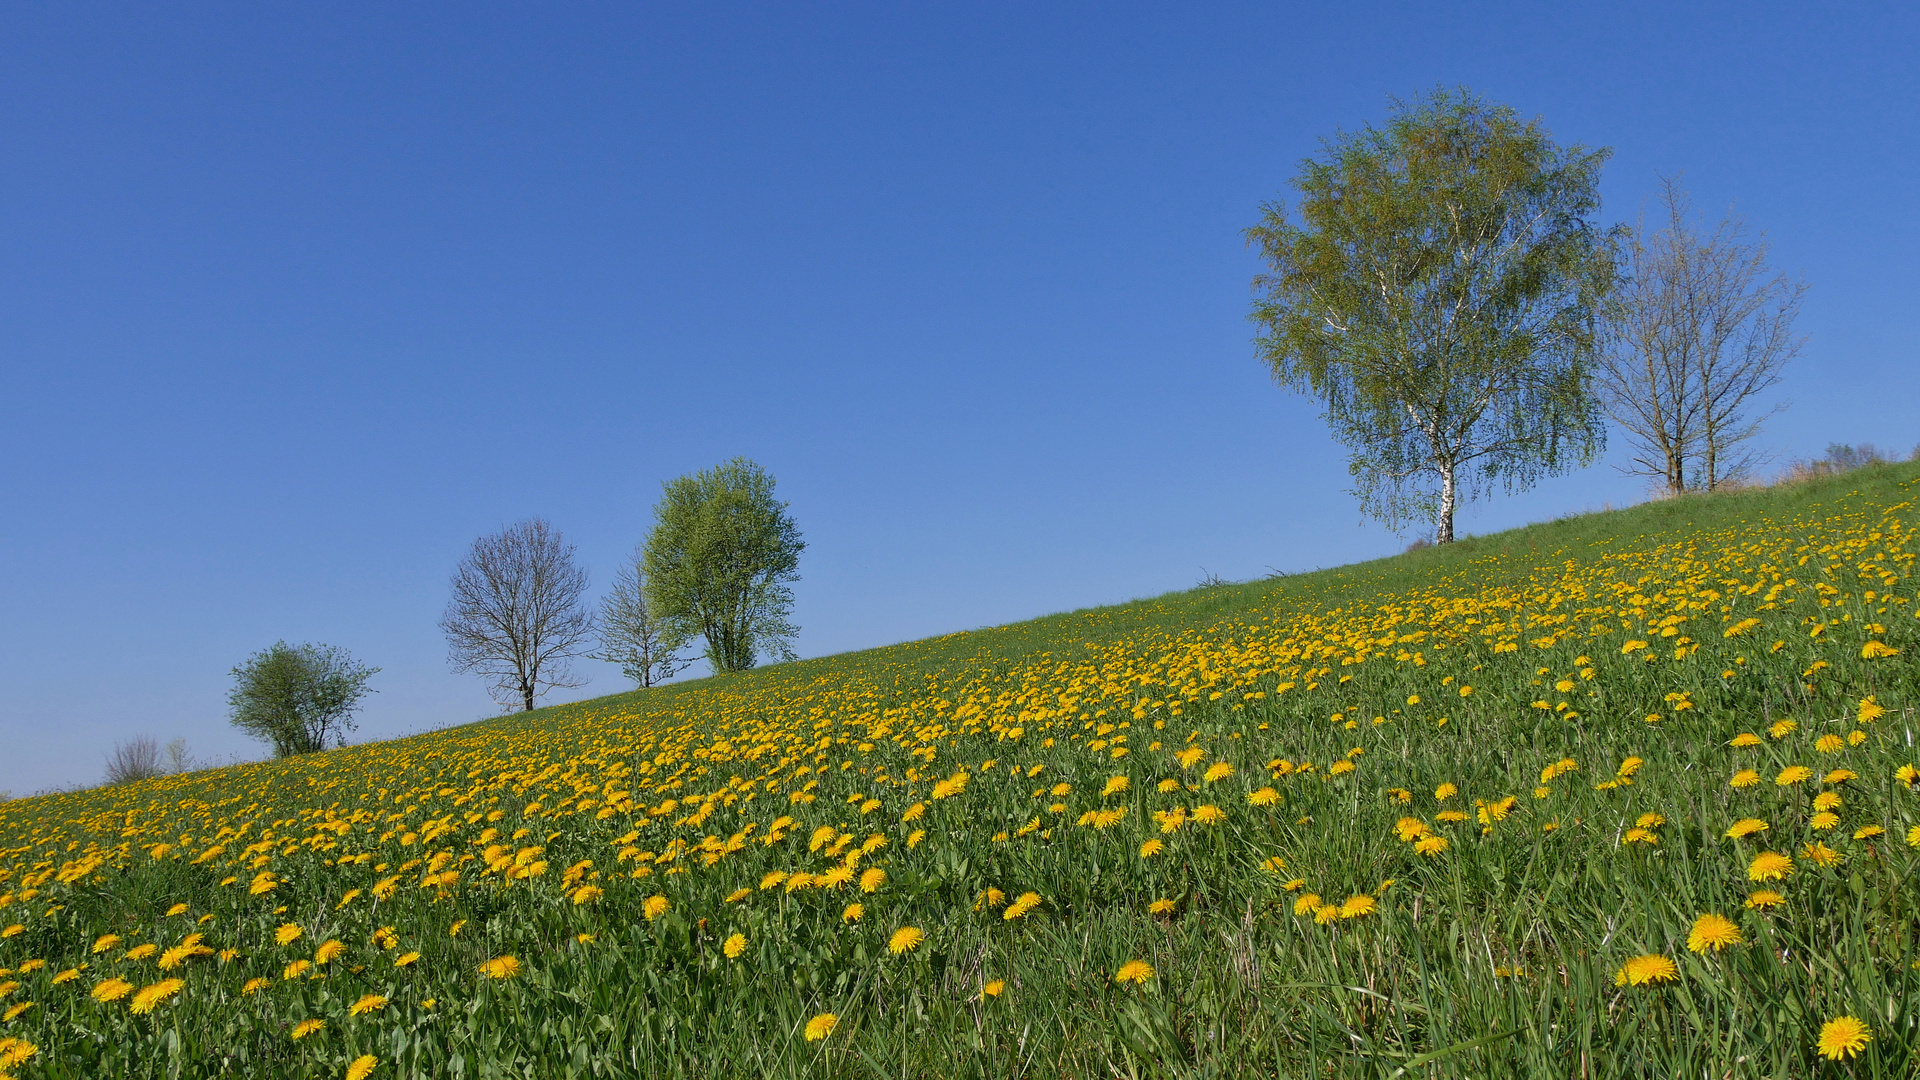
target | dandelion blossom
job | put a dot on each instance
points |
(1161, 907)
(1136, 972)
(1713, 932)
(362, 1066)
(853, 912)
(287, 934)
(1152, 847)
(821, 1026)
(501, 967)
(1820, 854)
(1266, 796)
(1842, 1037)
(405, 959)
(1646, 970)
(994, 988)
(1793, 774)
(104, 942)
(1355, 907)
(905, 940)
(111, 989)
(655, 907)
(1432, 845)
(1769, 866)
(587, 894)
(255, 985)
(296, 969)
(1026, 902)
(734, 946)
(872, 878)
(1219, 770)
(307, 1027)
(1745, 827)
(148, 997)
(328, 952)
(1761, 899)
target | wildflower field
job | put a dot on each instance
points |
(1625, 795)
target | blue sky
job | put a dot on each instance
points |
(297, 301)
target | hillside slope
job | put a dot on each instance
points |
(1628, 794)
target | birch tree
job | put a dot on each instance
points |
(1440, 294)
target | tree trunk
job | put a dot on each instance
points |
(526, 696)
(1443, 534)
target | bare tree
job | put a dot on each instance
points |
(136, 759)
(1701, 329)
(631, 635)
(179, 758)
(516, 615)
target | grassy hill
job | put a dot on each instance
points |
(1625, 794)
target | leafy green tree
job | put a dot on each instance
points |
(298, 697)
(1441, 296)
(718, 563)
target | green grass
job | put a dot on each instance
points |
(1496, 957)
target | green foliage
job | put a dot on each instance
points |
(297, 697)
(1440, 296)
(718, 562)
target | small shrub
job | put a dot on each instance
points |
(136, 759)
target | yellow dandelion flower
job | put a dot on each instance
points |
(654, 907)
(1266, 796)
(1875, 650)
(501, 967)
(406, 959)
(111, 989)
(734, 946)
(1867, 832)
(1745, 827)
(1306, 904)
(1714, 932)
(328, 952)
(66, 976)
(1769, 866)
(587, 894)
(287, 934)
(104, 942)
(1840, 776)
(1745, 778)
(1152, 847)
(366, 1004)
(296, 969)
(1273, 864)
(1219, 770)
(255, 985)
(1842, 1037)
(1646, 970)
(307, 1027)
(1355, 907)
(853, 913)
(994, 988)
(1161, 907)
(14, 1011)
(905, 940)
(177, 909)
(1431, 845)
(821, 1026)
(454, 930)
(1136, 972)
(871, 879)
(1762, 899)
(141, 952)
(1793, 774)
(1745, 739)
(1024, 903)
(1822, 821)
(362, 1067)
(147, 998)
(1820, 854)
(1445, 792)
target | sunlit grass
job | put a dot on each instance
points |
(1461, 813)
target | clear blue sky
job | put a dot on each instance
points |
(296, 300)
